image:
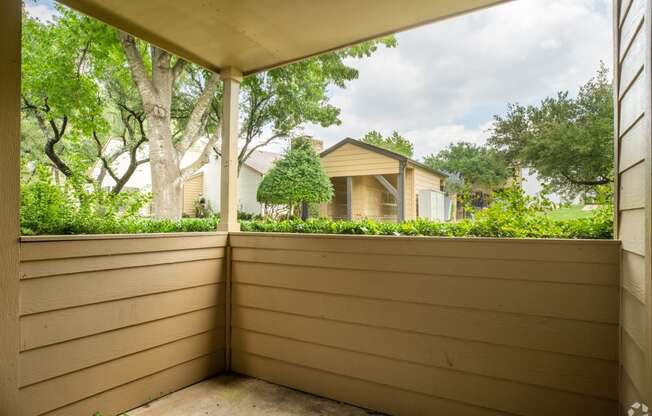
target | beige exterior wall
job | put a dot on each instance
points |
(109, 323)
(421, 326)
(192, 188)
(351, 160)
(632, 93)
(424, 180)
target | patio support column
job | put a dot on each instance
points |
(10, 26)
(229, 160)
(349, 197)
(400, 190)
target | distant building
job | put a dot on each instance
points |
(206, 183)
(372, 182)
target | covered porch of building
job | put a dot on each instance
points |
(401, 325)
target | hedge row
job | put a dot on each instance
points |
(595, 227)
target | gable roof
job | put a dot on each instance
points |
(262, 161)
(384, 152)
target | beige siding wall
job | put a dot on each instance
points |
(422, 326)
(424, 180)
(192, 188)
(109, 323)
(351, 160)
(633, 181)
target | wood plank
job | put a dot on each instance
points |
(53, 267)
(632, 230)
(632, 103)
(634, 319)
(563, 372)
(64, 291)
(632, 186)
(633, 61)
(624, 5)
(56, 247)
(54, 393)
(633, 275)
(143, 390)
(54, 360)
(62, 325)
(630, 23)
(352, 390)
(502, 395)
(632, 146)
(546, 334)
(633, 362)
(586, 251)
(590, 303)
(581, 273)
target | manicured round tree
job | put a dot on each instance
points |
(298, 177)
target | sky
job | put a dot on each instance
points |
(444, 82)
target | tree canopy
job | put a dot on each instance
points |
(395, 142)
(470, 164)
(93, 96)
(295, 178)
(567, 140)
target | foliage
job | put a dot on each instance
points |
(97, 95)
(567, 140)
(395, 143)
(512, 214)
(75, 207)
(469, 165)
(297, 177)
(276, 103)
(75, 96)
(50, 209)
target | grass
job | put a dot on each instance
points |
(569, 213)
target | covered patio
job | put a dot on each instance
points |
(399, 325)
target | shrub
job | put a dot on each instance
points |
(78, 208)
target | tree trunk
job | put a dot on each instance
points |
(167, 182)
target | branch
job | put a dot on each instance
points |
(244, 156)
(178, 68)
(195, 121)
(203, 159)
(136, 64)
(105, 163)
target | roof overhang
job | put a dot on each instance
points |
(254, 35)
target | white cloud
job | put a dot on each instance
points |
(445, 81)
(45, 12)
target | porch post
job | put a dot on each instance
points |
(349, 197)
(10, 26)
(229, 160)
(400, 190)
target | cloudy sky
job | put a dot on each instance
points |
(444, 82)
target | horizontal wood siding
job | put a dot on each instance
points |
(421, 326)
(632, 144)
(351, 160)
(108, 323)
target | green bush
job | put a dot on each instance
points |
(78, 208)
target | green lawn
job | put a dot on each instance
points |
(569, 213)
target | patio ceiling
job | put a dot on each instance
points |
(254, 35)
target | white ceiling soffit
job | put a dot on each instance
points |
(254, 35)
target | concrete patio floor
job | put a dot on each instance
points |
(236, 395)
